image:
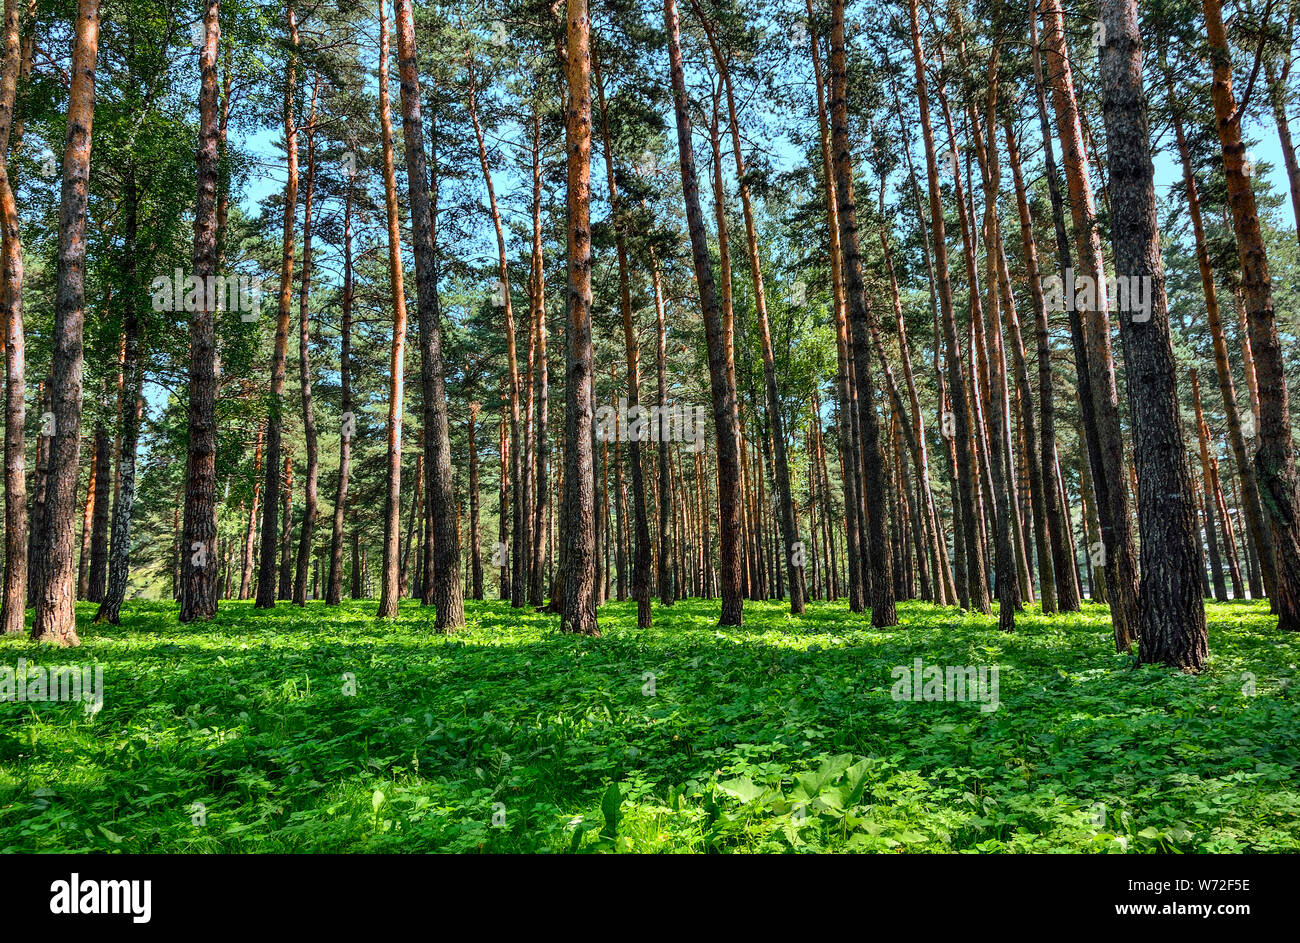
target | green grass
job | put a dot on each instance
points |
(778, 735)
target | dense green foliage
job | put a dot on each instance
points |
(778, 735)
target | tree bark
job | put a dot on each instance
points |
(390, 591)
(1275, 459)
(14, 606)
(578, 615)
(721, 381)
(958, 429)
(311, 484)
(266, 571)
(55, 618)
(1110, 474)
(446, 592)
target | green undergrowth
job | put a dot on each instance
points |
(324, 730)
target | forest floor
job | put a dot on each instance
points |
(325, 730)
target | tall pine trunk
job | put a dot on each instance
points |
(447, 593)
(1170, 607)
(55, 617)
(311, 484)
(390, 588)
(266, 570)
(578, 614)
(14, 606)
(721, 381)
(1275, 459)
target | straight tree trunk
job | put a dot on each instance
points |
(311, 484)
(199, 585)
(578, 615)
(475, 538)
(285, 588)
(721, 381)
(97, 574)
(1275, 458)
(882, 590)
(976, 586)
(390, 590)
(667, 552)
(250, 536)
(641, 562)
(348, 419)
(55, 617)
(266, 583)
(790, 539)
(14, 606)
(1054, 568)
(446, 591)
(1172, 614)
(1260, 535)
(849, 455)
(132, 405)
(1109, 474)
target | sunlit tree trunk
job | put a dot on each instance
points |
(266, 571)
(1109, 475)
(13, 608)
(55, 619)
(580, 570)
(1275, 458)
(1260, 535)
(390, 588)
(958, 427)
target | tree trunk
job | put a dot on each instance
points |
(266, 583)
(14, 607)
(1260, 535)
(1109, 473)
(847, 400)
(250, 536)
(446, 592)
(792, 544)
(390, 591)
(956, 424)
(310, 486)
(515, 560)
(132, 404)
(1275, 460)
(1172, 614)
(722, 383)
(348, 418)
(97, 572)
(668, 587)
(55, 617)
(578, 614)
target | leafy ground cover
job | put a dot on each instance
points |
(323, 730)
